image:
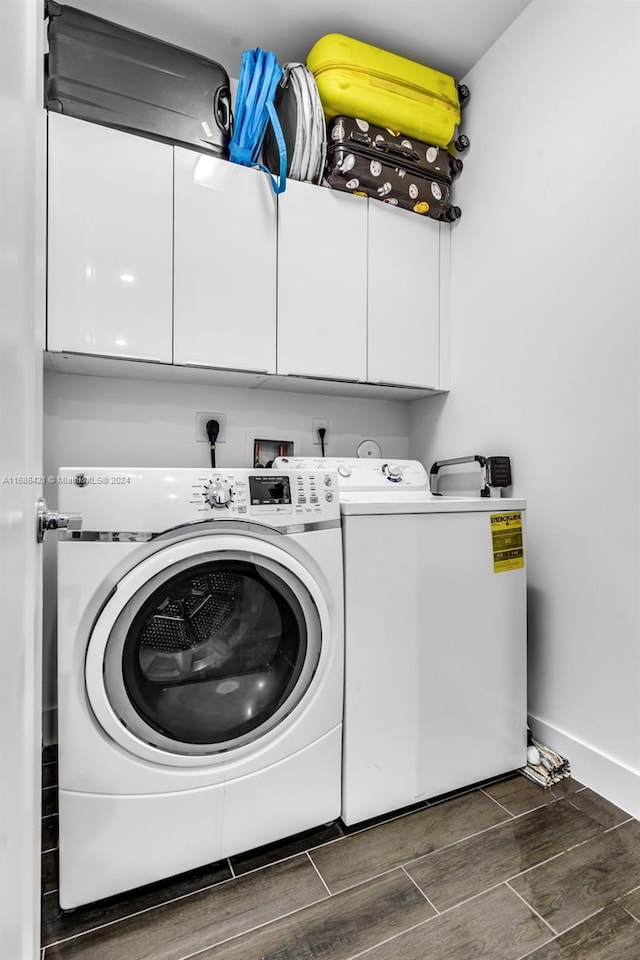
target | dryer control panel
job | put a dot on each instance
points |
(355, 473)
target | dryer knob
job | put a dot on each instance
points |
(344, 470)
(218, 493)
(392, 472)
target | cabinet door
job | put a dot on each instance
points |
(322, 283)
(404, 293)
(225, 265)
(109, 242)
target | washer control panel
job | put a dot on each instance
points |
(355, 473)
(217, 492)
(121, 502)
(314, 488)
(245, 494)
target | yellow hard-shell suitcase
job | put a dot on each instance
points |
(360, 80)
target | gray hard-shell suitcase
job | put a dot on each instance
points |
(107, 74)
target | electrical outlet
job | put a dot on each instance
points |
(317, 422)
(201, 426)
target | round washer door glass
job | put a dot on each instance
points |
(212, 652)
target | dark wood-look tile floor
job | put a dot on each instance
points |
(504, 871)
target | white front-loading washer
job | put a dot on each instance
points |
(200, 668)
(435, 635)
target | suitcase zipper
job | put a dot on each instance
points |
(393, 82)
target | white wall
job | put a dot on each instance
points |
(98, 421)
(545, 360)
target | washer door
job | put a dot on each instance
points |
(205, 647)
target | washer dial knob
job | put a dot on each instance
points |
(218, 493)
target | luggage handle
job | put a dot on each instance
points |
(389, 148)
(222, 110)
(395, 151)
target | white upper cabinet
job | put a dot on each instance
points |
(224, 265)
(109, 242)
(322, 283)
(164, 254)
(404, 298)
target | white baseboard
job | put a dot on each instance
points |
(608, 776)
(49, 726)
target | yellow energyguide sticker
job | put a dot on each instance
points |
(507, 541)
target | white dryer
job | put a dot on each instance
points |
(435, 636)
(200, 668)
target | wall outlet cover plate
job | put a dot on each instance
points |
(201, 426)
(369, 448)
